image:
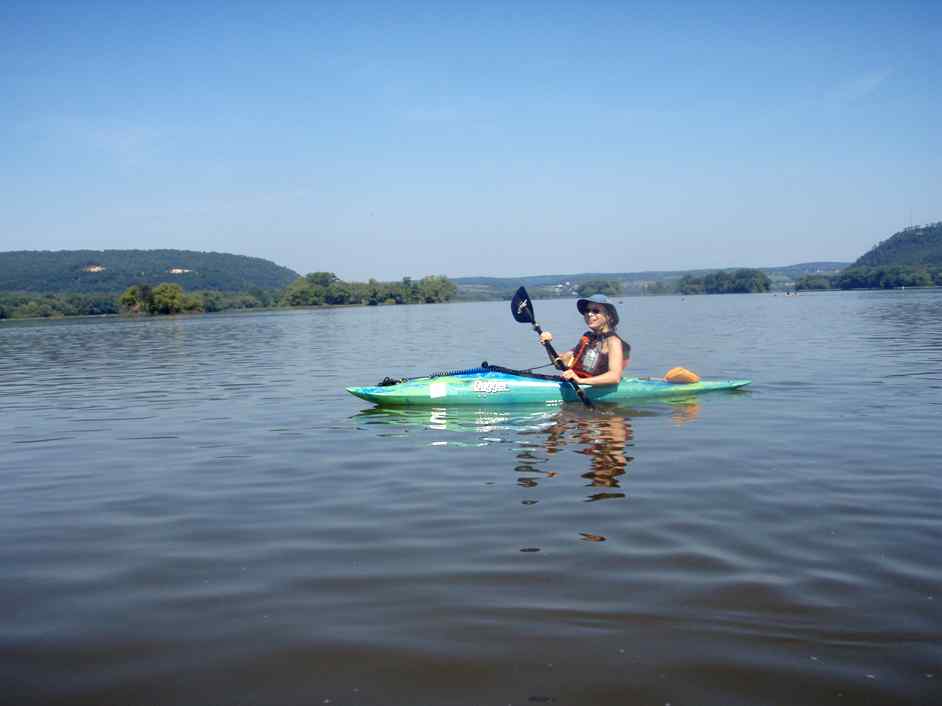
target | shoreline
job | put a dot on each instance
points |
(258, 309)
(269, 309)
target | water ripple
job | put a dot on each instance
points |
(176, 488)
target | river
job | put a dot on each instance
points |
(193, 511)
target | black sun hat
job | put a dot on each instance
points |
(583, 304)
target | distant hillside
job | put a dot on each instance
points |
(115, 270)
(921, 245)
(632, 282)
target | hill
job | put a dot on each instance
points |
(115, 270)
(920, 245)
(632, 283)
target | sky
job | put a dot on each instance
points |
(391, 139)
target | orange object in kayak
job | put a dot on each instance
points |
(681, 376)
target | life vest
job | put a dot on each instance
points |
(589, 360)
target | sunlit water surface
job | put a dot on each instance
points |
(193, 511)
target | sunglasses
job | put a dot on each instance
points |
(594, 311)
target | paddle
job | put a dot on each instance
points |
(522, 309)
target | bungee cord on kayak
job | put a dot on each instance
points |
(483, 368)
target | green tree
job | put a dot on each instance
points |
(657, 288)
(263, 297)
(320, 288)
(322, 279)
(435, 289)
(192, 303)
(373, 295)
(737, 282)
(749, 280)
(213, 301)
(137, 299)
(888, 277)
(338, 293)
(302, 293)
(409, 293)
(689, 284)
(35, 309)
(168, 299)
(813, 282)
(610, 288)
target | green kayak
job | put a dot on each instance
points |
(496, 386)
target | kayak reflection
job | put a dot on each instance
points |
(684, 410)
(544, 441)
(465, 420)
(603, 439)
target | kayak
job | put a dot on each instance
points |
(493, 385)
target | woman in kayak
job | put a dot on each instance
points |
(601, 355)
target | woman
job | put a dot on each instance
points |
(601, 355)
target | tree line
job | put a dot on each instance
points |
(888, 277)
(721, 282)
(742, 281)
(608, 287)
(22, 305)
(315, 289)
(320, 288)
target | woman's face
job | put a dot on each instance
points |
(596, 317)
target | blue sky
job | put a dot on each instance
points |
(474, 138)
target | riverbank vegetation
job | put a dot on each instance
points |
(890, 277)
(28, 305)
(315, 289)
(140, 299)
(319, 288)
(608, 287)
(909, 258)
(741, 281)
(155, 282)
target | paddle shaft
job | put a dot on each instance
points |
(522, 309)
(551, 352)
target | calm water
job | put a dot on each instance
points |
(194, 512)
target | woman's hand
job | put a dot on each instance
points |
(565, 357)
(569, 375)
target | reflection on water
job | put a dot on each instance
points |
(602, 440)
(684, 409)
(460, 419)
(171, 489)
(909, 332)
(543, 441)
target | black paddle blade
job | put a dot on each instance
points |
(521, 307)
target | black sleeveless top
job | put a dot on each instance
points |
(590, 360)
